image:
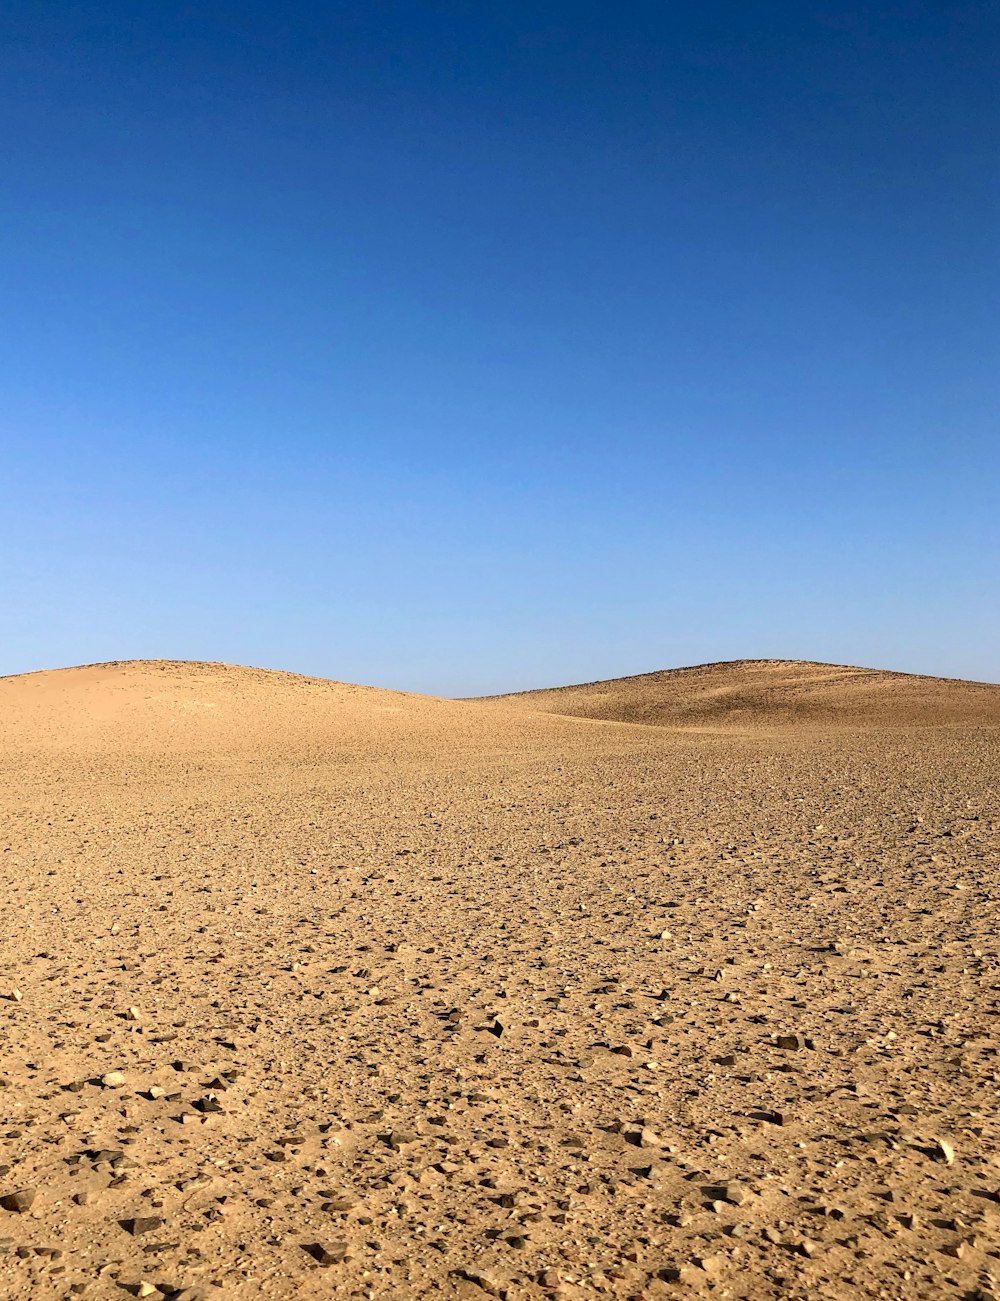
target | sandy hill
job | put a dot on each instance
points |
(165, 705)
(773, 692)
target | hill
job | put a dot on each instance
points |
(743, 693)
(166, 705)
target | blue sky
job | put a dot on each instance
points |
(461, 347)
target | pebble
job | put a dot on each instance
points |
(340, 1204)
(401, 1137)
(330, 1253)
(489, 1283)
(141, 1224)
(944, 1151)
(19, 1201)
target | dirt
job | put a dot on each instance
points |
(315, 990)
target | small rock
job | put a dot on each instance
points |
(943, 1151)
(141, 1224)
(20, 1201)
(671, 1274)
(340, 1204)
(644, 1137)
(106, 1156)
(113, 1080)
(331, 1253)
(488, 1282)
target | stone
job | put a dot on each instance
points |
(106, 1156)
(339, 1203)
(943, 1151)
(141, 1224)
(330, 1253)
(19, 1201)
(113, 1080)
(644, 1137)
(673, 1274)
(489, 1283)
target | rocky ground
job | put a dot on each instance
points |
(314, 990)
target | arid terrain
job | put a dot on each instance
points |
(680, 985)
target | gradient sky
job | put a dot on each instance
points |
(462, 347)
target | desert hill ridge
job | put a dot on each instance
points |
(220, 709)
(205, 670)
(191, 695)
(772, 692)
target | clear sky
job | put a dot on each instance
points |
(465, 346)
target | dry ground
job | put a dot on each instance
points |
(471, 999)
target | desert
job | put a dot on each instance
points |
(684, 984)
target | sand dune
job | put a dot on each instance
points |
(176, 705)
(745, 693)
(310, 989)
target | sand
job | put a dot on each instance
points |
(309, 989)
